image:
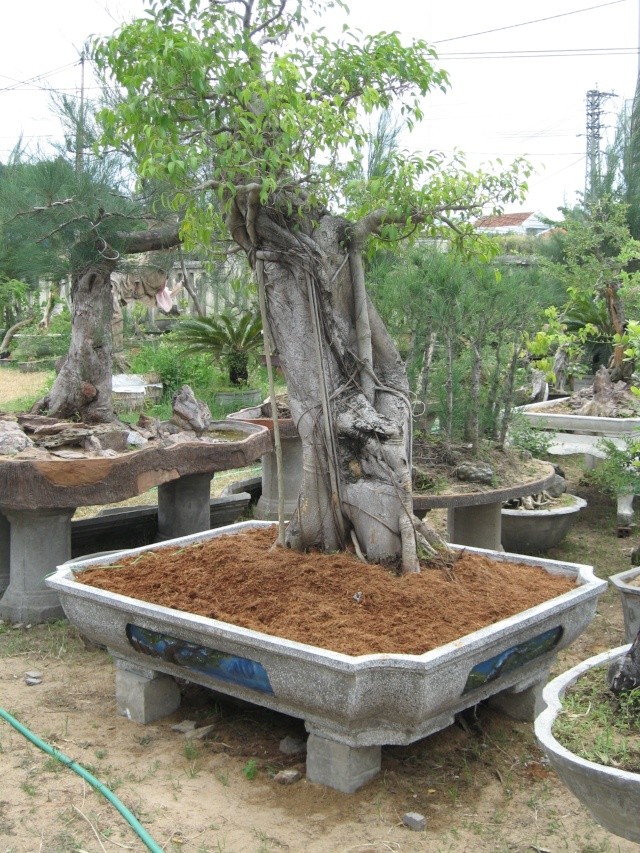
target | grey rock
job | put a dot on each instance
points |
(414, 821)
(475, 472)
(201, 733)
(12, 439)
(287, 777)
(557, 487)
(292, 745)
(189, 413)
(186, 726)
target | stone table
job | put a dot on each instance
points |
(475, 519)
(38, 497)
(571, 434)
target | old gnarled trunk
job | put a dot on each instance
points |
(354, 419)
(83, 385)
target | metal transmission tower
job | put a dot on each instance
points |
(595, 100)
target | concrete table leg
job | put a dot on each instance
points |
(40, 541)
(267, 508)
(478, 526)
(339, 766)
(144, 695)
(5, 551)
(184, 506)
(523, 701)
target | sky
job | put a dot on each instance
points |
(519, 75)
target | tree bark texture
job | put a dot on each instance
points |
(356, 477)
(83, 385)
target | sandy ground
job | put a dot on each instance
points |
(482, 784)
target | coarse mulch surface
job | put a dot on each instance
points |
(332, 601)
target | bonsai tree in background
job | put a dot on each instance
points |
(231, 339)
(467, 379)
(251, 115)
(597, 256)
(60, 223)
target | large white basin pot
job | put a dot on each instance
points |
(630, 599)
(526, 531)
(611, 795)
(351, 705)
(577, 433)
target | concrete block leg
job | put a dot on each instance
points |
(339, 766)
(145, 695)
(40, 540)
(267, 508)
(5, 550)
(183, 506)
(522, 702)
(477, 526)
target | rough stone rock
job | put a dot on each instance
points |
(475, 472)
(414, 821)
(557, 487)
(287, 777)
(189, 413)
(12, 439)
(292, 745)
(184, 727)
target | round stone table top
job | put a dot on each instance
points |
(531, 486)
(57, 483)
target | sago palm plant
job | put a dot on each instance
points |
(229, 338)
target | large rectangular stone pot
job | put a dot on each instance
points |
(350, 705)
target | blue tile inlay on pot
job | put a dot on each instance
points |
(512, 658)
(229, 668)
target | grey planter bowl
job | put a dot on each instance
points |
(630, 597)
(612, 796)
(537, 530)
(351, 705)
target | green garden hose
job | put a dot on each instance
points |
(131, 819)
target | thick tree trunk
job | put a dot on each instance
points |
(82, 388)
(356, 478)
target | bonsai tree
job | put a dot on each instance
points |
(248, 114)
(231, 339)
(60, 223)
(597, 256)
(467, 379)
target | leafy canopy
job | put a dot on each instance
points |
(236, 93)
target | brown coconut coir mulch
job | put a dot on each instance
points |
(330, 600)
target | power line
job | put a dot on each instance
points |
(17, 83)
(541, 54)
(528, 23)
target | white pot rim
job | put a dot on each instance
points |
(552, 696)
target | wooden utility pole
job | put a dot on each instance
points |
(80, 122)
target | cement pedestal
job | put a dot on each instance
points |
(5, 551)
(267, 508)
(184, 506)
(478, 526)
(40, 540)
(144, 695)
(340, 766)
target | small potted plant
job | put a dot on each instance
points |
(619, 474)
(231, 338)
